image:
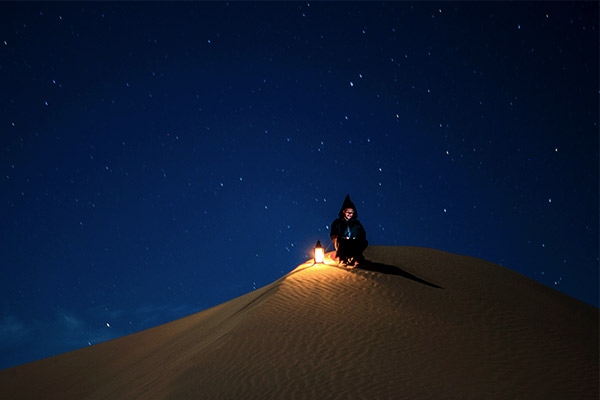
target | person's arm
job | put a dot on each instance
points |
(362, 237)
(334, 232)
(361, 234)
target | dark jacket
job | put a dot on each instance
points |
(351, 229)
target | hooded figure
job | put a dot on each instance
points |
(348, 234)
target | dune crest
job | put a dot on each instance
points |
(411, 323)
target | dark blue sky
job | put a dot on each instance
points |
(158, 159)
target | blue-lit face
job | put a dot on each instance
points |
(348, 213)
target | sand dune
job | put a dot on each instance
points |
(418, 324)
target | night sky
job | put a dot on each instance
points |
(158, 159)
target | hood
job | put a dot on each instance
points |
(348, 204)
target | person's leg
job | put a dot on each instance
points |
(342, 249)
(362, 246)
(355, 250)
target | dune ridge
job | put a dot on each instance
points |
(415, 323)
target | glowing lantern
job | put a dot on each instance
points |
(319, 253)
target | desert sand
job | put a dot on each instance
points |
(413, 323)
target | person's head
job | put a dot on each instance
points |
(348, 213)
(348, 206)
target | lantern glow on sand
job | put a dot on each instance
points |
(319, 253)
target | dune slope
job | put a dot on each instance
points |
(413, 323)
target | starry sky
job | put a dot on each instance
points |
(158, 159)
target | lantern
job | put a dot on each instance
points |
(319, 253)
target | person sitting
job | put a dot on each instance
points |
(348, 235)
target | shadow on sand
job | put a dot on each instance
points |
(392, 270)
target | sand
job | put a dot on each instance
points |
(415, 323)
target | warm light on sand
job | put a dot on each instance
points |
(327, 259)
